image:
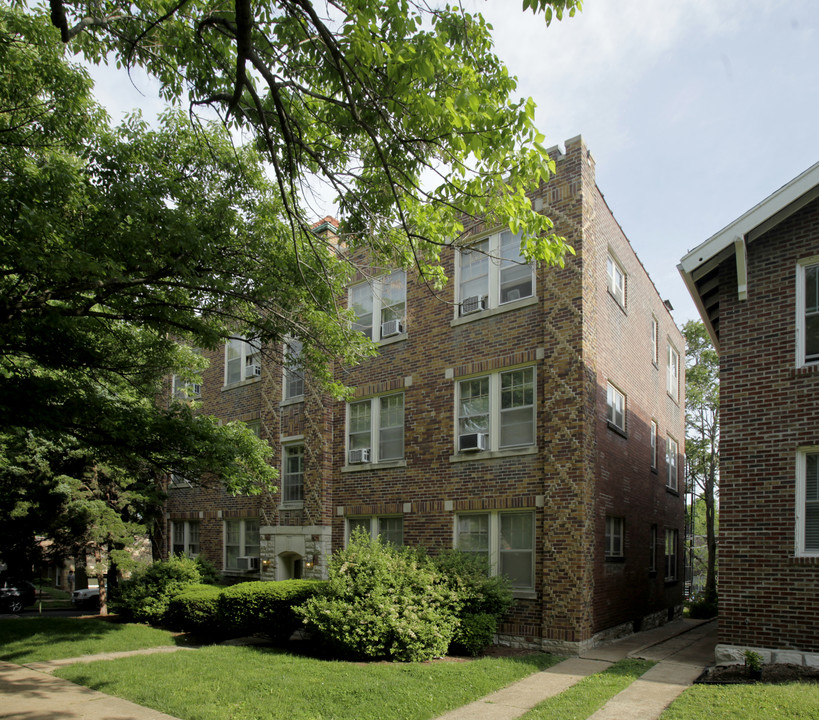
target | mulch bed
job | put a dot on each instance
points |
(771, 674)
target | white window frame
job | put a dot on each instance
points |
(375, 290)
(615, 537)
(616, 280)
(672, 381)
(289, 485)
(653, 444)
(671, 554)
(655, 341)
(292, 371)
(188, 532)
(496, 265)
(375, 427)
(376, 526)
(672, 453)
(249, 353)
(615, 407)
(496, 411)
(495, 551)
(185, 389)
(242, 525)
(803, 500)
(802, 268)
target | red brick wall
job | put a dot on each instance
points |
(579, 471)
(768, 597)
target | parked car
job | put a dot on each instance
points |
(16, 593)
(86, 598)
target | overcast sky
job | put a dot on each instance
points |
(694, 110)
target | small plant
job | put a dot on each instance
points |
(753, 663)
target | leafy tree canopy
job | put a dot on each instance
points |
(400, 109)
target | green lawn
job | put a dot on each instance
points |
(225, 682)
(590, 694)
(794, 701)
(31, 639)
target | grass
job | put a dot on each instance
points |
(590, 694)
(35, 639)
(226, 682)
(793, 701)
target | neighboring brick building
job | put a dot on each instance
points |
(756, 284)
(533, 417)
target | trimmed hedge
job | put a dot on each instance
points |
(265, 607)
(195, 609)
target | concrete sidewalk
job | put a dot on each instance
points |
(682, 649)
(27, 694)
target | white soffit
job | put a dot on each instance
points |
(758, 220)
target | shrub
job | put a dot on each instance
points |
(484, 599)
(700, 607)
(475, 632)
(264, 607)
(195, 609)
(146, 595)
(383, 602)
(480, 592)
(210, 575)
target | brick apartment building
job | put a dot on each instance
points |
(532, 416)
(756, 283)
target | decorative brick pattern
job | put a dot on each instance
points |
(576, 338)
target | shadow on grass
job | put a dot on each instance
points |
(24, 636)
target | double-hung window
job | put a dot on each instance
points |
(497, 411)
(671, 542)
(615, 532)
(807, 501)
(493, 272)
(185, 537)
(807, 309)
(375, 429)
(615, 407)
(380, 306)
(652, 549)
(243, 360)
(293, 371)
(671, 452)
(506, 540)
(293, 474)
(616, 281)
(673, 373)
(390, 529)
(241, 542)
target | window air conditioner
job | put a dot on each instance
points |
(391, 327)
(247, 562)
(252, 371)
(472, 304)
(359, 456)
(472, 442)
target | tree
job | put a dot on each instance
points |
(124, 246)
(400, 111)
(702, 437)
